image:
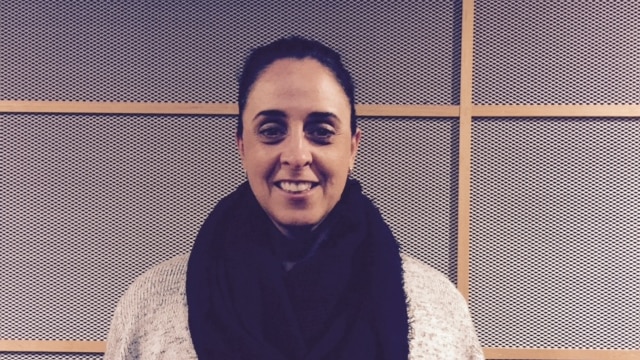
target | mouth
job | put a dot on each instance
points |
(295, 187)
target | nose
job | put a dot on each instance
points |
(296, 152)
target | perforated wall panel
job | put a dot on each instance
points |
(191, 50)
(555, 232)
(90, 202)
(409, 167)
(49, 356)
(556, 52)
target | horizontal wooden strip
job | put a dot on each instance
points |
(561, 354)
(408, 110)
(71, 346)
(60, 346)
(556, 110)
(98, 107)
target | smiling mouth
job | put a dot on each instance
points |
(295, 187)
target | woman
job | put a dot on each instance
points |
(296, 263)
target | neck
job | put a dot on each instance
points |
(296, 232)
(297, 243)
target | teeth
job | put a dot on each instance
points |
(295, 186)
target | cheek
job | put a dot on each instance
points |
(340, 161)
(251, 153)
(336, 174)
(254, 166)
(258, 164)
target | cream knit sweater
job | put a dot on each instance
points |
(151, 319)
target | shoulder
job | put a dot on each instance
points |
(422, 280)
(159, 285)
(430, 293)
(151, 319)
(441, 325)
(168, 277)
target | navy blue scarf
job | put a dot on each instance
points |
(346, 301)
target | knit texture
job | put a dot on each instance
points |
(151, 319)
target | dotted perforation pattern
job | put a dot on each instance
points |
(92, 201)
(555, 251)
(556, 52)
(167, 51)
(409, 166)
(50, 356)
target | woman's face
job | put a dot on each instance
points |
(296, 145)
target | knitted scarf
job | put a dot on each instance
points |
(345, 301)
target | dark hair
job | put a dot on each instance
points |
(298, 48)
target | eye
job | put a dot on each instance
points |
(321, 133)
(272, 132)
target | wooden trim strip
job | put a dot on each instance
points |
(560, 354)
(74, 346)
(408, 110)
(556, 110)
(98, 107)
(464, 155)
(71, 346)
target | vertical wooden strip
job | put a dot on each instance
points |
(464, 170)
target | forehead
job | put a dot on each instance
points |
(289, 65)
(297, 73)
(297, 83)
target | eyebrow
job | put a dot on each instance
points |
(322, 116)
(271, 113)
(316, 115)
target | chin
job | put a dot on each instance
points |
(296, 222)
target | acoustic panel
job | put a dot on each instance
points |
(191, 51)
(89, 202)
(50, 356)
(556, 52)
(555, 232)
(409, 166)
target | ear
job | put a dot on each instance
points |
(240, 147)
(355, 144)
